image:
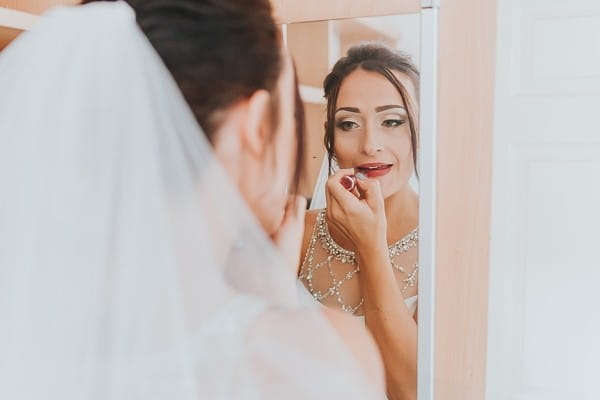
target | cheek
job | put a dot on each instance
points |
(403, 148)
(286, 154)
(408, 156)
(271, 198)
(406, 160)
(283, 165)
(345, 149)
(402, 151)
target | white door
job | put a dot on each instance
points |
(544, 315)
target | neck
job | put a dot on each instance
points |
(402, 213)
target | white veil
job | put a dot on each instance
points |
(130, 268)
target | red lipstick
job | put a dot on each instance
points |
(374, 169)
(349, 182)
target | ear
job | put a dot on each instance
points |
(256, 129)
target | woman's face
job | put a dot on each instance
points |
(371, 130)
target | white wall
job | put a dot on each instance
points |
(544, 316)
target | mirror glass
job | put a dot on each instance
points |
(315, 47)
(372, 129)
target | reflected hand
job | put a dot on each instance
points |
(357, 214)
(288, 238)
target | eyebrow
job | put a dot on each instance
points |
(388, 107)
(377, 109)
(349, 109)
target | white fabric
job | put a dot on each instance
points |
(319, 199)
(411, 304)
(130, 268)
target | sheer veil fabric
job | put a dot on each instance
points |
(130, 267)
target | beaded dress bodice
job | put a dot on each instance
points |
(330, 271)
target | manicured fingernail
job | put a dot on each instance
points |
(361, 177)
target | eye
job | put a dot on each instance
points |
(392, 123)
(347, 125)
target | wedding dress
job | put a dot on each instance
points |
(130, 266)
(330, 272)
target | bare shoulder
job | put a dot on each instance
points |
(361, 343)
(310, 219)
(309, 223)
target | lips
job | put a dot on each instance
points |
(374, 170)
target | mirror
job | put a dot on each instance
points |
(316, 46)
(378, 141)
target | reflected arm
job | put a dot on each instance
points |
(390, 322)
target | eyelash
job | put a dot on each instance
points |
(388, 123)
(344, 125)
(393, 123)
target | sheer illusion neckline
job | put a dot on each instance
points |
(335, 252)
(347, 256)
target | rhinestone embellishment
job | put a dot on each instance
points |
(338, 253)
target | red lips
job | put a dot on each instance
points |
(374, 169)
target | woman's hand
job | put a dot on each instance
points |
(288, 238)
(359, 215)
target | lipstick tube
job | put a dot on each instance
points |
(348, 182)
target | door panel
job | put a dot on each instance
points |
(545, 257)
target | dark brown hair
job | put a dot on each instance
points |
(384, 60)
(219, 52)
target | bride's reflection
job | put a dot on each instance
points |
(360, 252)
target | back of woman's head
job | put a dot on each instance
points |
(218, 51)
(379, 58)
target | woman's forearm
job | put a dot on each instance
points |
(390, 322)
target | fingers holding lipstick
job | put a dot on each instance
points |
(335, 187)
(358, 215)
(370, 192)
(348, 182)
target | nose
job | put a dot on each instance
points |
(370, 144)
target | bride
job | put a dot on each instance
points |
(142, 256)
(360, 252)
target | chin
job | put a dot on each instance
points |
(390, 188)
